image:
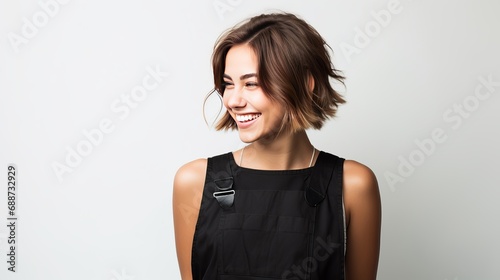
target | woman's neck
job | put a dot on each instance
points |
(292, 151)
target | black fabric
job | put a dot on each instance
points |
(317, 187)
(271, 231)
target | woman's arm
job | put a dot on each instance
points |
(363, 219)
(188, 189)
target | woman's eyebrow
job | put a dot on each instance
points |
(246, 76)
(242, 77)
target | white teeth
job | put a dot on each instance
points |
(246, 118)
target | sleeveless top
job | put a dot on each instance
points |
(270, 224)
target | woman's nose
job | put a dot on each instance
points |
(235, 98)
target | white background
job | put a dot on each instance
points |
(111, 216)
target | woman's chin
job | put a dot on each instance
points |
(246, 139)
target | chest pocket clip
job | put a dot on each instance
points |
(225, 192)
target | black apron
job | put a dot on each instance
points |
(270, 224)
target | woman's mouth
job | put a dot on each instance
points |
(247, 117)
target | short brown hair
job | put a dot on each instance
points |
(289, 52)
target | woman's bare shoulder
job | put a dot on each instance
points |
(191, 175)
(363, 219)
(188, 188)
(361, 191)
(359, 178)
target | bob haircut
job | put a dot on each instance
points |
(289, 52)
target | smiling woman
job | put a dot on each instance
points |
(278, 208)
(255, 114)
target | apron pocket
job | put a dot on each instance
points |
(262, 246)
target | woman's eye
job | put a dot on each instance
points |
(251, 85)
(227, 85)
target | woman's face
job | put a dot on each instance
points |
(257, 117)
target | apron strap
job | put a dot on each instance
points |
(223, 180)
(323, 172)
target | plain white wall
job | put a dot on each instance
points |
(423, 79)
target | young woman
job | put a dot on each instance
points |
(277, 208)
